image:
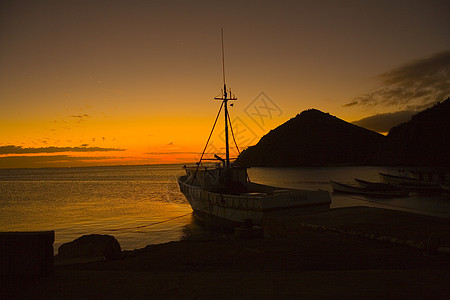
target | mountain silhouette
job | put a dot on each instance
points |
(315, 138)
(424, 140)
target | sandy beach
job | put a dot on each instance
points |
(308, 262)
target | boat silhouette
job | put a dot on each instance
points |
(223, 195)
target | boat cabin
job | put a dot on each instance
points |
(232, 180)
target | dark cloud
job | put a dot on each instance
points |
(10, 149)
(80, 116)
(350, 104)
(419, 107)
(421, 82)
(384, 122)
(171, 153)
(49, 161)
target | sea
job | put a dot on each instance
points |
(142, 205)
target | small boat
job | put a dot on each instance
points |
(379, 185)
(388, 188)
(445, 187)
(410, 183)
(223, 195)
(436, 175)
(367, 191)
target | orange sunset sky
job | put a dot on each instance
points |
(87, 83)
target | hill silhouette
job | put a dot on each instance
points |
(315, 138)
(424, 140)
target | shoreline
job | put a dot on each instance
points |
(295, 261)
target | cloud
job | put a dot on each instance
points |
(421, 82)
(384, 122)
(50, 161)
(11, 149)
(351, 104)
(172, 153)
(80, 116)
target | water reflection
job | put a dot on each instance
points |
(198, 230)
(142, 205)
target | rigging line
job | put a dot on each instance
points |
(399, 206)
(204, 149)
(232, 134)
(235, 143)
(148, 225)
(210, 134)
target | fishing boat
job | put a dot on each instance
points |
(223, 195)
(367, 191)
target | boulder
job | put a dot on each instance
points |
(93, 245)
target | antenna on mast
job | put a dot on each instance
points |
(224, 97)
(223, 62)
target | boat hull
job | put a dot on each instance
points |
(382, 188)
(233, 210)
(410, 184)
(366, 191)
(445, 187)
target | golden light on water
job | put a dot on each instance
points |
(139, 205)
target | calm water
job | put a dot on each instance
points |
(122, 201)
(142, 205)
(318, 178)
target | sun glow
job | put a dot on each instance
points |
(142, 77)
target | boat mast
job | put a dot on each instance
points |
(225, 97)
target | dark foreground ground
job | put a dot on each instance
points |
(305, 263)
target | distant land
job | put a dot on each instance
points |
(315, 138)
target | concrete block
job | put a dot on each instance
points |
(26, 253)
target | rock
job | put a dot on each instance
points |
(93, 245)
